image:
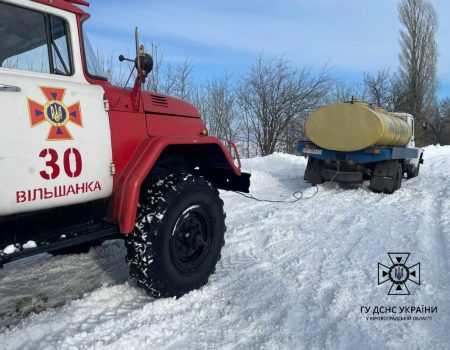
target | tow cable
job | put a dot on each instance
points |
(298, 195)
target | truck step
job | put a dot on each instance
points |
(63, 239)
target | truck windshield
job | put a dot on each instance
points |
(93, 65)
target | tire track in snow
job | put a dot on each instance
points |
(291, 276)
(435, 274)
(50, 282)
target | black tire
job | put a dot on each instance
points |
(178, 235)
(398, 177)
(414, 172)
(387, 177)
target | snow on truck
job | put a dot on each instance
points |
(82, 160)
(353, 141)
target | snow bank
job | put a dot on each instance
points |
(291, 275)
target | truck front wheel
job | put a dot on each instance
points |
(178, 236)
(414, 172)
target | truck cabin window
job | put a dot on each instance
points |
(33, 41)
(93, 66)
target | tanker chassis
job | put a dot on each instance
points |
(384, 162)
(383, 166)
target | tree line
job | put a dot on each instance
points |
(265, 109)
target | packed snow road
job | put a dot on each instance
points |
(292, 276)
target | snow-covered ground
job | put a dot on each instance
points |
(292, 276)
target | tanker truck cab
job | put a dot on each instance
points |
(409, 119)
(82, 161)
(353, 142)
(411, 165)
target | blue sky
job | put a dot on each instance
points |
(351, 36)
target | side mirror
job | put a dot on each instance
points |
(146, 63)
(143, 61)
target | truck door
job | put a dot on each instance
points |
(55, 144)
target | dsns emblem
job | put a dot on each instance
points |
(55, 112)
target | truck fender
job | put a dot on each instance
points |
(126, 195)
(415, 162)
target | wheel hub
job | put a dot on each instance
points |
(191, 239)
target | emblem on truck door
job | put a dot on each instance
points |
(55, 112)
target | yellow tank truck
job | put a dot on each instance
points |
(353, 141)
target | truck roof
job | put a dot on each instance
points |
(66, 5)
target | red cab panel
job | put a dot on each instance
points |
(167, 125)
(161, 104)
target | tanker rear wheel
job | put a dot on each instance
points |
(387, 177)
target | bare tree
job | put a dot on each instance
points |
(342, 92)
(385, 90)
(178, 79)
(170, 79)
(11, 62)
(199, 100)
(397, 94)
(33, 60)
(219, 109)
(273, 94)
(418, 58)
(378, 87)
(438, 124)
(294, 131)
(153, 82)
(250, 147)
(115, 72)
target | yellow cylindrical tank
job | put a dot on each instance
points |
(353, 126)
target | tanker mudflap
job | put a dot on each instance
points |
(313, 172)
(342, 176)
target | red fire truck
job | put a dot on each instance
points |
(82, 160)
